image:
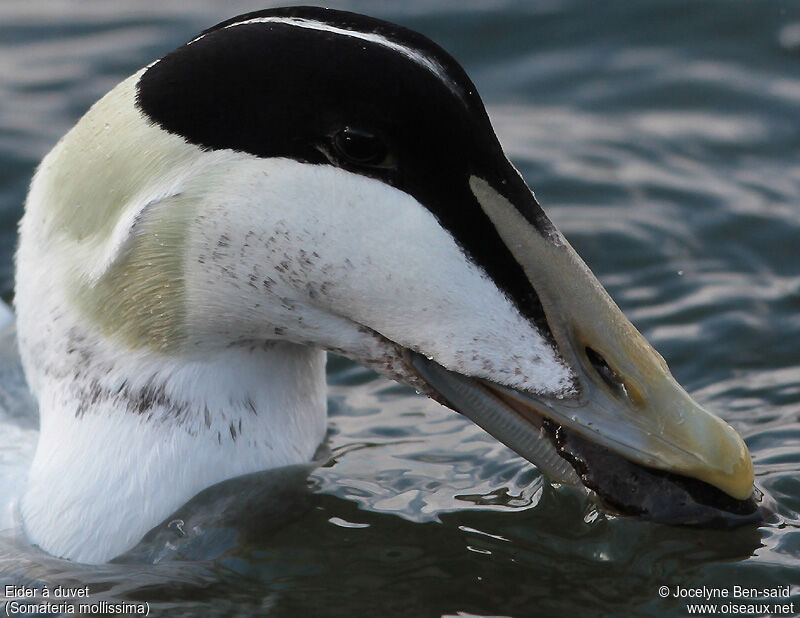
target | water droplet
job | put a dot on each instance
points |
(176, 525)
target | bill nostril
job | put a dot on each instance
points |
(606, 373)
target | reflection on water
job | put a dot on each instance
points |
(662, 138)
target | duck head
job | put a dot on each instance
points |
(318, 178)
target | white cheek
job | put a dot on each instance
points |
(320, 247)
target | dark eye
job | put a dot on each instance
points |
(360, 147)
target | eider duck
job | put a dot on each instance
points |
(291, 182)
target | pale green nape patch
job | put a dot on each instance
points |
(141, 298)
(112, 158)
(107, 203)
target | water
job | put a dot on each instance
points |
(662, 138)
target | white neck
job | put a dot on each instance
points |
(126, 440)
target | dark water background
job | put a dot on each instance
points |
(662, 137)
